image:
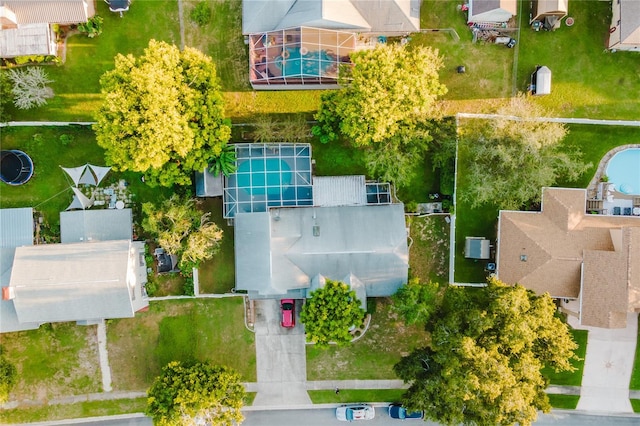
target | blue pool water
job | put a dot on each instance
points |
(314, 63)
(263, 175)
(623, 171)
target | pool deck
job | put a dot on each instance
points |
(603, 198)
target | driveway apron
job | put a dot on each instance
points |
(607, 368)
(280, 357)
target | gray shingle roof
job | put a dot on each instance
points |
(50, 11)
(16, 230)
(96, 225)
(76, 282)
(369, 242)
(360, 15)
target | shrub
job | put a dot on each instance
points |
(30, 87)
(201, 14)
(8, 376)
(93, 27)
(66, 139)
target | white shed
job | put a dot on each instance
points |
(541, 81)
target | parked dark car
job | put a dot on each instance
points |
(397, 411)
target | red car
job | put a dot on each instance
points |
(288, 308)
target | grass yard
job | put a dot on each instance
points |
(371, 357)
(49, 190)
(73, 411)
(221, 39)
(567, 378)
(489, 67)
(568, 402)
(183, 330)
(635, 404)
(429, 251)
(588, 81)
(355, 395)
(635, 375)
(218, 274)
(55, 360)
(76, 83)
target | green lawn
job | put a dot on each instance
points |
(76, 83)
(49, 189)
(429, 251)
(568, 402)
(635, 404)
(489, 67)
(73, 411)
(221, 39)
(588, 81)
(217, 275)
(205, 329)
(371, 357)
(55, 360)
(355, 395)
(635, 375)
(567, 378)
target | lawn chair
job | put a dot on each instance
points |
(627, 211)
(616, 211)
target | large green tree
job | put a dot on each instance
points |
(388, 97)
(417, 301)
(483, 363)
(330, 312)
(162, 114)
(195, 394)
(182, 229)
(507, 161)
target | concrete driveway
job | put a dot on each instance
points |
(607, 367)
(280, 356)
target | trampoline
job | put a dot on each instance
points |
(16, 167)
(268, 175)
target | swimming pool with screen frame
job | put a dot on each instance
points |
(269, 175)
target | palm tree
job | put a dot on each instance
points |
(225, 162)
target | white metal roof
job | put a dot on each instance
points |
(331, 191)
(75, 282)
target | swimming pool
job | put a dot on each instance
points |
(623, 171)
(314, 63)
(268, 175)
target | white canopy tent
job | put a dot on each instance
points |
(80, 201)
(87, 174)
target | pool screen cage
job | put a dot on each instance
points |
(268, 175)
(299, 56)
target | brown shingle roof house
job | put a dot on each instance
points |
(561, 250)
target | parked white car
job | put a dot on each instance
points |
(351, 412)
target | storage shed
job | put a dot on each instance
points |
(492, 10)
(541, 81)
(549, 12)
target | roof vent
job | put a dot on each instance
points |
(316, 230)
(523, 257)
(8, 293)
